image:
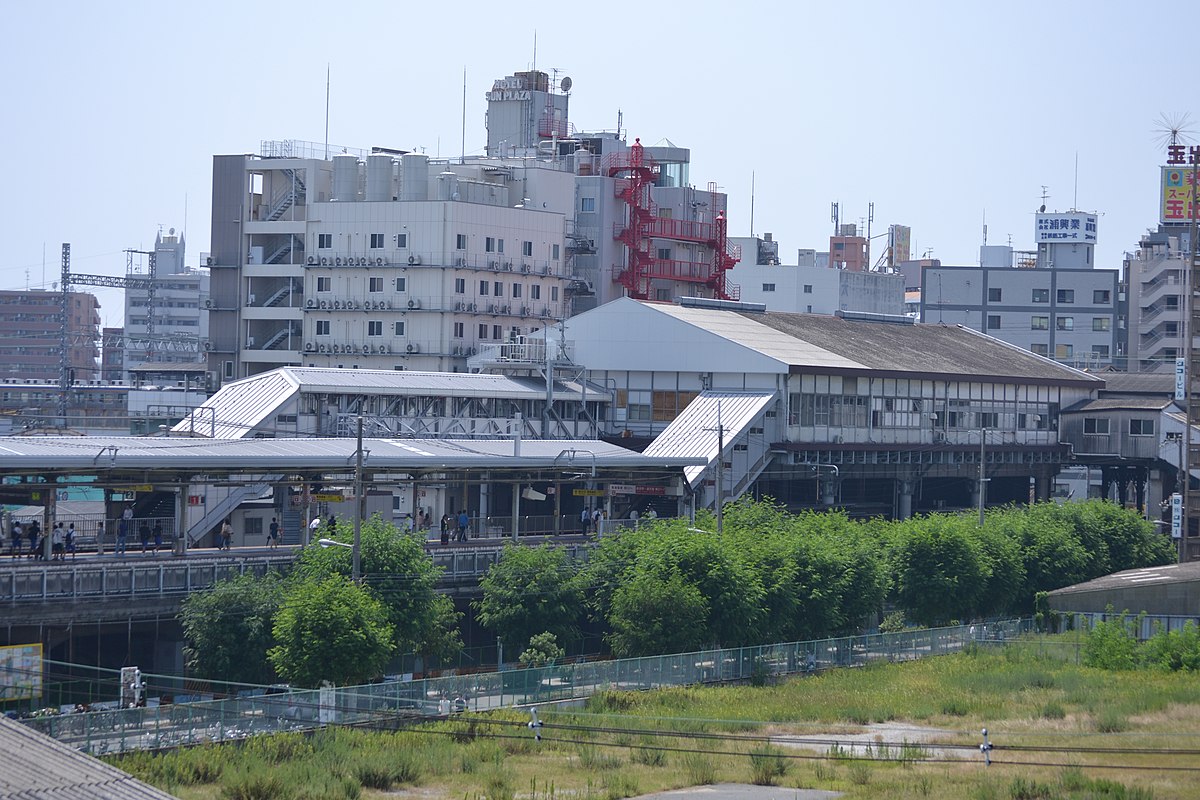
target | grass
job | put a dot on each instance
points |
(1025, 695)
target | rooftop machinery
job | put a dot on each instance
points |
(636, 174)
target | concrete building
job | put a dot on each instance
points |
(112, 354)
(30, 329)
(1057, 305)
(180, 309)
(1152, 279)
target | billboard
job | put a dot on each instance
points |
(1178, 194)
(1072, 227)
(901, 241)
(21, 672)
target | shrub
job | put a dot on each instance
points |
(767, 766)
(1111, 645)
(699, 769)
(1174, 651)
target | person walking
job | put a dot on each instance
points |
(226, 535)
(463, 522)
(144, 535)
(313, 525)
(57, 542)
(34, 532)
(273, 534)
(123, 526)
(100, 537)
(17, 534)
(70, 540)
(585, 519)
(158, 536)
(445, 539)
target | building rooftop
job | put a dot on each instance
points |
(1120, 404)
(693, 434)
(37, 767)
(1166, 574)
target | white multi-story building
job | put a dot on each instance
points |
(392, 260)
(180, 310)
(1153, 280)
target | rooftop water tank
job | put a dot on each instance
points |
(345, 177)
(447, 186)
(379, 177)
(414, 176)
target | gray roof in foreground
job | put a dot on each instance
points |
(37, 767)
(95, 453)
(1168, 573)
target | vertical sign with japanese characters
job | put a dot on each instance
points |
(1178, 194)
(1176, 516)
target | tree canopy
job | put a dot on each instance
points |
(227, 629)
(530, 590)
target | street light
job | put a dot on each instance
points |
(333, 543)
(353, 549)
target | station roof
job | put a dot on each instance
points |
(1147, 576)
(238, 407)
(37, 766)
(693, 434)
(216, 456)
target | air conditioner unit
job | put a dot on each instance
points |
(310, 303)
(412, 348)
(337, 304)
(325, 304)
(324, 348)
(414, 259)
(524, 311)
(208, 345)
(379, 262)
(308, 347)
(458, 306)
(472, 307)
(506, 309)
(508, 266)
(210, 261)
(545, 269)
(414, 303)
(324, 261)
(491, 308)
(460, 262)
(337, 261)
(208, 303)
(524, 268)
(493, 264)
(389, 305)
(312, 260)
(387, 348)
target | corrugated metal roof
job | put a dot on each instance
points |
(821, 341)
(19, 455)
(240, 406)
(1138, 382)
(693, 434)
(1119, 403)
(36, 767)
(1170, 573)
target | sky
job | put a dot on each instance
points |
(943, 114)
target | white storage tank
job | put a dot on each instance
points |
(414, 176)
(447, 186)
(345, 177)
(379, 177)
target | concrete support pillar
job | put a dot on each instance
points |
(828, 491)
(904, 498)
(485, 502)
(516, 510)
(1044, 482)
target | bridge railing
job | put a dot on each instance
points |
(161, 725)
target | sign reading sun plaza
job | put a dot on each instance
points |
(1069, 227)
(509, 89)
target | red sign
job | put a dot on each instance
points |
(1181, 154)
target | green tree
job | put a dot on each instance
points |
(227, 629)
(398, 570)
(530, 590)
(543, 650)
(939, 570)
(330, 629)
(658, 614)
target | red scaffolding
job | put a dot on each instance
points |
(635, 175)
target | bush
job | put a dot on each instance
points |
(1111, 645)
(1174, 651)
(699, 769)
(767, 766)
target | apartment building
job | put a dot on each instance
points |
(31, 324)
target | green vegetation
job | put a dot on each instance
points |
(625, 743)
(1113, 645)
(228, 628)
(530, 591)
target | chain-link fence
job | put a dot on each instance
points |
(265, 710)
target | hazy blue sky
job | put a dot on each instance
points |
(936, 111)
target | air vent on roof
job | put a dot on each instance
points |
(871, 316)
(723, 305)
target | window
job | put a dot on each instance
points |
(325, 284)
(768, 287)
(1065, 295)
(499, 245)
(1141, 427)
(498, 289)
(489, 244)
(993, 322)
(535, 292)
(1064, 351)
(526, 248)
(1064, 323)
(253, 526)
(460, 285)
(1039, 323)
(374, 284)
(554, 293)
(1101, 297)
(1101, 323)
(483, 331)
(402, 240)
(587, 204)
(322, 327)
(1100, 350)
(1040, 349)
(324, 241)
(399, 328)
(483, 288)
(401, 284)
(516, 290)
(808, 288)
(376, 241)
(554, 251)
(460, 242)
(374, 327)
(994, 295)
(664, 253)
(1041, 295)
(459, 330)
(662, 295)
(1095, 426)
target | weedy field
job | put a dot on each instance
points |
(1059, 730)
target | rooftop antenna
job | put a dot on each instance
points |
(326, 110)
(985, 227)
(620, 119)
(1045, 197)
(535, 50)
(833, 215)
(751, 202)
(1173, 129)
(463, 160)
(1075, 199)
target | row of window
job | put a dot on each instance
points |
(770, 287)
(1099, 426)
(1099, 296)
(496, 289)
(375, 327)
(857, 411)
(1062, 351)
(1042, 323)
(400, 240)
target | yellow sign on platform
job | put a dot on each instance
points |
(329, 497)
(588, 492)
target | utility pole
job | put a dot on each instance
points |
(720, 472)
(982, 480)
(1189, 333)
(359, 504)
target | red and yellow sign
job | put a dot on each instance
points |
(1178, 194)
